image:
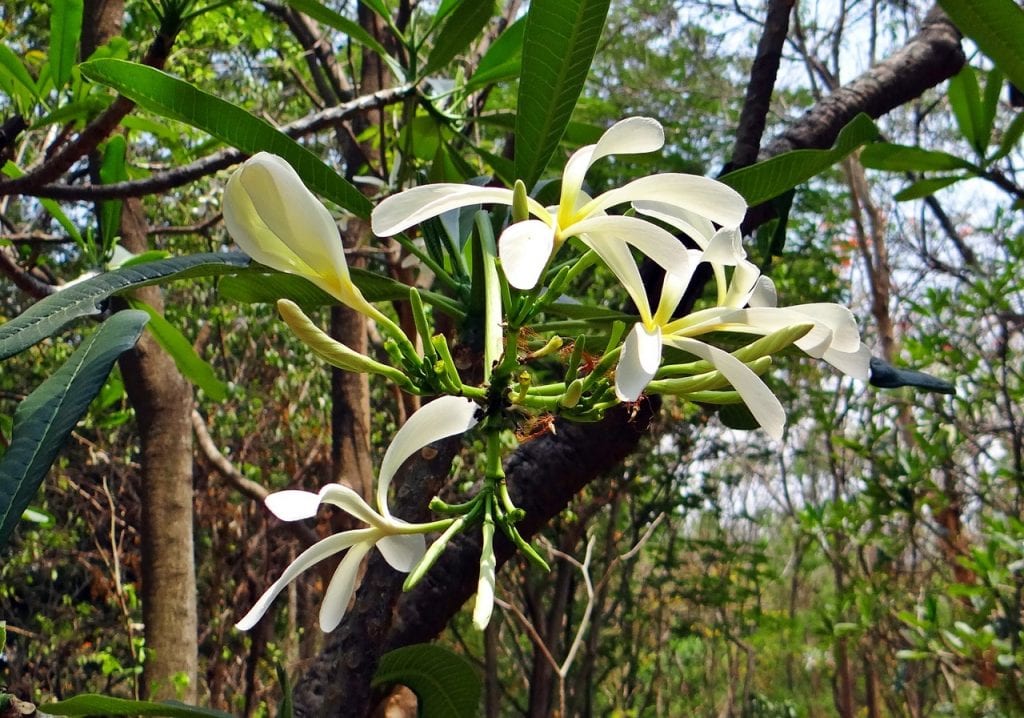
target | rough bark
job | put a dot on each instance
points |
(162, 400)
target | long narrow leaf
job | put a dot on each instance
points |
(192, 366)
(503, 59)
(44, 420)
(765, 180)
(465, 24)
(65, 30)
(351, 28)
(559, 44)
(48, 316)
(997, 26)
(174, 98)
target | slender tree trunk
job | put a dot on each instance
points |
(162, 400)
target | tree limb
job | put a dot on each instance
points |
(216, 161)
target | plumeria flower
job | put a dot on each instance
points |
(746, 304)
(401, 543)
(526, 247)
(278, 222)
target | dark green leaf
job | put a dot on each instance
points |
(503, 59)
(260, 285)
(65, 29)
(997, 27)
(92, 704)
(168, 96)
(1011, 137)
(765, 180)
(903, 158)
(44, 420)
(48, 316)
(112, 170)
(965, 100)
(15, 80)
(51, 206)
(925, 188)
(558, 46)
(192, 366)
(444, 682)
(464, 25)
(351, 28)
(738, 416)
(990, 105)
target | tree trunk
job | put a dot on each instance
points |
(162, 400)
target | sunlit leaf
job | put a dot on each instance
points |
(558, 46)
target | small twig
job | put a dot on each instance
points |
(216, 161)
(245, 485)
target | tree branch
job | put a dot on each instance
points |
(761, 85)
(218, 160)
(546, 473)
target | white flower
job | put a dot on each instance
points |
(746, 304)
(278, 222)
(401, 543)
(526, 247)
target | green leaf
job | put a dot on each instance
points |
(503, 59)
(44, 420)
(445, 683)
(48, 316)
(965, 100)
(76, 113)
(93, 704)
(465, 24)
(192, 366)
(351, 28)
(65, 29)
(260, 285)
(559, 43)
(990, 105)
(925, 188)
(112, 170)
(12, 170)
(171, 97)
(903, 158)
(765, 180)
(1011, 137)
(997, 27)
(15, 80)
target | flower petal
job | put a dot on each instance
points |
(343, 583)
(616, 255)
(631, 136)
(441, 418)
(655, 242)
(347, 499)
(252, 235)
(294, 214)
(315, 553)
(763, 404)
(638, 362)
(697, 227)
(403, 551)
(406, 209)
(845, 333)
(706, 197)
(855, 364)
(524, 249)
(293, 505)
